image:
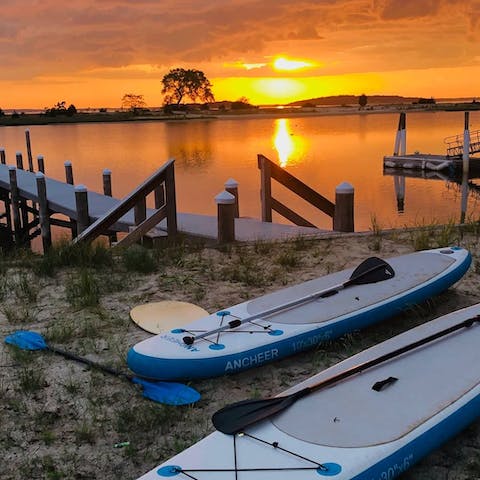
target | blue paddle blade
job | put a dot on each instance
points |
(169, 393)
(26, 340)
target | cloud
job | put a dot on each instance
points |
(53, 37)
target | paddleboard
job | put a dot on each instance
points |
(156, 317)
(363, 427)
(417, 276)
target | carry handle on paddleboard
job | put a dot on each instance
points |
(371, 270)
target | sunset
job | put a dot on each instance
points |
(209, 209)
(91, 53)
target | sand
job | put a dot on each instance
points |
(61, 419)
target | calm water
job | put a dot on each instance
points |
(321, 151)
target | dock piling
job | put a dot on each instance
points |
(3, 158)
(29, 150)
(15, 203)
(343, 220)
(107, 182)
(466, 144)
(81, 202)
(225, 216)
(19, 160)
(41, 163)
(401, 136)
(43, 212)
(68, 172)
(231, 186)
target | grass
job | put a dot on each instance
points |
(56, 413)
(83, 290)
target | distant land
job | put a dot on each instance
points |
(332, 105)
(371, 100)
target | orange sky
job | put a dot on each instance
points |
(91, 53)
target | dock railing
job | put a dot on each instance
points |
(455, 144)
(162, 183)
(342, 214)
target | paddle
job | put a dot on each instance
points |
(371, 270)
(237, 416)
(156, 317)
(161, 392)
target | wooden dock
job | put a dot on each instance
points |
(61, 199)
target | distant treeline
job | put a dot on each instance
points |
(339, 100)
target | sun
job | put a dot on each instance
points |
(285, 64)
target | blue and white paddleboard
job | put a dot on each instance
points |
(417, 390)
(295, 318)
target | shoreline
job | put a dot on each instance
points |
(27, 119)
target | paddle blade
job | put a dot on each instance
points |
(237, 416)
(371, 270)
(26, 340)
(167, 392)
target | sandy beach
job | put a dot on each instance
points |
(61, 419)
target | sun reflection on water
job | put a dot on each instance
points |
(290, 147)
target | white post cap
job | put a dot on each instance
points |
(40, 157)
(345, 188)
(224, 198)
(231, 183)
(80, 188)
(68, 163)
(107, 171)
(39, 175)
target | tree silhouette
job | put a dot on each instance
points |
(133, 102)
(179, 84)
(362, 100)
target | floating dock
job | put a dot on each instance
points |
(460, 149)
(419, 161)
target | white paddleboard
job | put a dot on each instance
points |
(417, 276)
(363, 427)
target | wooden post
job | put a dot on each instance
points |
(68, 172)
(22, 203)
(231, 186)
(19, 159)
(43, 212)
(401, 136)
(29, 150)
(3, 159)
(343, 220)
(159, 194)
(17, 224)
(265, 188)
(225, 216)
(140, 211)
(41, 163)
(107, 182)
(107, 190)
(171, 201)
(81, 202)
(466, 144)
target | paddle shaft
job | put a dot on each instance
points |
(88, 362)
(287, 305)
(384, 358)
